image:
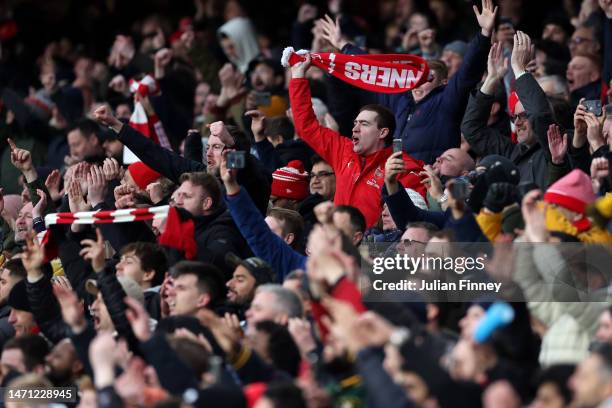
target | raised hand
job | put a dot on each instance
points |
(522, 53)
(557, 144)
(155, 191)
(52, 183)
(93, 251)
(432, 182)
(41, 205)
(394, 167)
(138, 318)
(96, 186)
(535, 224)
(228, 176)
(593, 133)
(300, 330)
(72, 309)
(218, 129)
(104, 116)
(231, 84)
(331, 32)
(486, 18)
(33, 256)
(306, 13)
(497, 64)
(76, 201)
(258, 124)
(22, 160)
(124, 196)
(112, 169)
(427, 38)
(600, 169)
(580, 126)
(299, 70)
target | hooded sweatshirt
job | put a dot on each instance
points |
(241, 32)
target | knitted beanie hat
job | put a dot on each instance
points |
(573, 192)
(142, 174)
(290, 181)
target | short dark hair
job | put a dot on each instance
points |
(356, 217)
(281, 348)
(208, 276)
(33, 348)
(316, 159)
(384, 119)
(431, 228)
(152, 257)
(15, 268)
(558, 375)
(208, 182)
(87, 127)
(285, 395)
(439, 67)
(292, 222)
(280, 126)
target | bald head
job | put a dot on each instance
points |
(453, 163)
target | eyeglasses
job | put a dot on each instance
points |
(320, 175)
(409, 242)
(521, 116)
(215, 147)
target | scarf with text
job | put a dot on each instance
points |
(386, 73)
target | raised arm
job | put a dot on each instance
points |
(327, 143)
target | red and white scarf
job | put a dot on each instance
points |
(150, 126)
(386, 73)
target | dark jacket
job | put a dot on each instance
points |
(171, 165)
(531, 161)
(403, 211)
(431, 126)
(277, 157)
(589, 91)
(6, 329)
(46, 310)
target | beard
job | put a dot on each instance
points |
(59, 378)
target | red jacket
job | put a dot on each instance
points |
(359, 179)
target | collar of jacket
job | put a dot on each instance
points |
(5, 311)
(205, 220)
(590, 90)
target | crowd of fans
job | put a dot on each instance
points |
(271, 187)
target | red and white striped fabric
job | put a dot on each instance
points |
(146, 86)
(150, 126)
(108, 217)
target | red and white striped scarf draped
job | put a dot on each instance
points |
(150, 126)
(107, 217)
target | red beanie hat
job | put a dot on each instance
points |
(290, 181)
(142, 174)
(573, 192)
(253, 392)
(512, 101)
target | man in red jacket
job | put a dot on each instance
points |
(358, 162)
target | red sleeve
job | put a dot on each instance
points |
(411, 178)
(346, 291)
(328, 144)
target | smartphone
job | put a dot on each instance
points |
(397, 145)
(593, 106)
(460, 190)
(236, 160)
(263, 98)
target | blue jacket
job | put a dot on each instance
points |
(263, 242)
(431, 126)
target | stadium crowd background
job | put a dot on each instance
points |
(249, 290)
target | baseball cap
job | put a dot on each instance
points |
(260, 269)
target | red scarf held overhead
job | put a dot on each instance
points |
(385, 73)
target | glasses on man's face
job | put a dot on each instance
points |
(520, 116)
(409, 242)
(320, 175)
(215, 147)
